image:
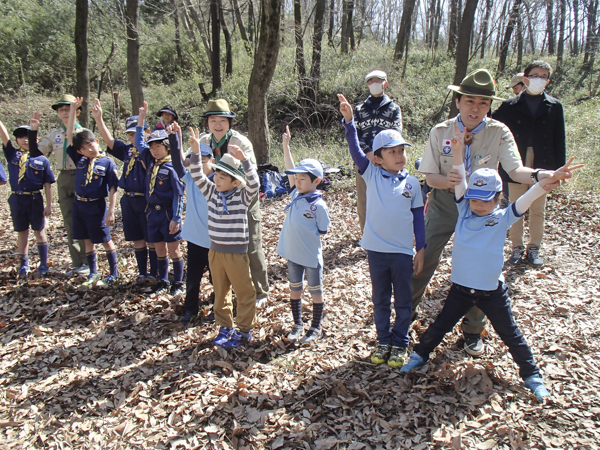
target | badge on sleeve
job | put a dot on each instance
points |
(446, 149)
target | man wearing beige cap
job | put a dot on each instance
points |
(516, 83)
(377, 113)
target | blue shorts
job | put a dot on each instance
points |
(27, 210)
(314, 276)
(89, 221)
(133, 210)
(159, 218)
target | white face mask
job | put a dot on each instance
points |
(376, 88)
(536, 86)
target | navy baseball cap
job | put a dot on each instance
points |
(21, 131)
(308, 165)
(157, 135)
(388, 139)
(484, 184)
(132, 122)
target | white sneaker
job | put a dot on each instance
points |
(261, 303)
(81, 270)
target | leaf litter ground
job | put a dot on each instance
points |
(112, 368)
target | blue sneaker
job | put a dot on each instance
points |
(107, 281)
(43, 270)
(414, 362)
(536, 385)
(238, 338)
(188, 318)
(223, 336)
(91, 280)
(141, 278)
(23, 271)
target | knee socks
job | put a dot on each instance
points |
(153, 262)
(141, 256)
(24, 260)
(296, 311)
(178, 269)
(111, 257)
(163, 268)
(317, 314)
(43, 252)
(92, 261)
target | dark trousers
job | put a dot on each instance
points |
(197, 263)
(391, 270)
(496, 306)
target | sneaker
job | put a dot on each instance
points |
(414, 362)
(397, 356)
(82, 270)
(312, 335)
(210, 318)
(516, 257)
(176, 288)
(533, 256)
(473, 344)
(111, 279)
(43, 270)
(223, 336)
(536, 385)
(188, 318)
(296, 333)
(238, 338)
(23, 271)
(261, 303)
(162, 287)
(381, 353)
(141, 278)
(92, 279)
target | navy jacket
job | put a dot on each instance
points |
(370, 118)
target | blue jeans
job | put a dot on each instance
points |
(314, 276)
(391, 270)
(496, 306)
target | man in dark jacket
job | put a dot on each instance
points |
(377, 113)
(537, 122)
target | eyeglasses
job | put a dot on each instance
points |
(538, 77)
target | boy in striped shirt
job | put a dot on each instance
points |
(228, 197)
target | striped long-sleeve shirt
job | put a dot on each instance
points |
(228, 231)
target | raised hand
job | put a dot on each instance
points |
(97, 110)
(457, 143)
(195, 140)
(143, 112)
(560, 175)
(236, 152)
(287, 136)
(34, 123)
(173, 128)
(345, 108)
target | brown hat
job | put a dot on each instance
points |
(66, 99)
(219, 107)
(478, 83)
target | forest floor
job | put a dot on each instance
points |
(113, 368)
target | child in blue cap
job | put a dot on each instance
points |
(133, 201)
(477, 260)
(300, 240)
(394, 221)
(95, 179)
(28, 176)
(164, 197)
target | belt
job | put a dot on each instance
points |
(157, 206)
(134, 194)
(85, 199)
(26, 192)
(478, 292)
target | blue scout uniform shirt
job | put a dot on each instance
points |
(104, 175)
(478, 250)
(37, 170)
(134, 180)
(306, 220)
(195, 225)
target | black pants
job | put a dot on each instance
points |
(197, 263)
(496, 306)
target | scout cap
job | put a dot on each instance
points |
(388, 139)
(376, 74)
(157, 135)
(168, 109)
(478, 83)
(66, 99)
(484, 184)
(231, 166)
(308, 165)
(21, 131)
(518, 78)
(205, 150)
(219, 107)
(132, 122)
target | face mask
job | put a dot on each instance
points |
(376, 88)
(536, 86)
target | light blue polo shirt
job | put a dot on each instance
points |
(478, 250)
(300, 239)
(195, 225)
(389, 222)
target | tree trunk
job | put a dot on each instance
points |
(200, 25)
(485, 26)
(362, 7)
(299, 42)
(265, 61)
(530, 28)
(590, 39)
(351, 24)
(251, 21)
(404, 32)
(519, 41)
(81, 58)
(514, 12)
(331, 22)
(242, 28)
(550, 26)
(438, 24)
(462, 46)
(453, 26)
(561, 33)
(344, 43)
(134, 79)
(227, 36)
(315, 68)
(215, 63)
(575, 46)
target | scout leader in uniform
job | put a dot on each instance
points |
(487, 144)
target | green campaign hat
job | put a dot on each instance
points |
(478, 83)
(219, 107)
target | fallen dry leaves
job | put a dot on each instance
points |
(114, 369)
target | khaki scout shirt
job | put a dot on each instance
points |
(54, 142)
(236, 139)
(492, 145)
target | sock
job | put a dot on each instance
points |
(178, 269)
(163, 268)
(111, 257)
(141, 256)
(317, 315)
(43, 252)
(92, 261)
(153, 262)
(297, 311)
(24, 259)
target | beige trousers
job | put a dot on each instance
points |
(537, 212)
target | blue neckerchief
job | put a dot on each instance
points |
(477, 129)
(224, 196)
(395, 177)
(310, 198)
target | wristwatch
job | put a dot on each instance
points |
(534, 176)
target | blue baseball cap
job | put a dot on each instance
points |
(308, 165)
(484, 184)
(132, 122)
(157, 135)
(388, 139)
(205, 150)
